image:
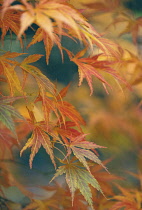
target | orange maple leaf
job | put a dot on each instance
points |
(63, 110)
(10, 21)
(130, 199)
(42, 12)
(65, 130)
(7, 68)
(42, 35)
(67, 21)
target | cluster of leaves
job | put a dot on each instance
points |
(60, 122)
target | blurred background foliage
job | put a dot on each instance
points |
(113, 120)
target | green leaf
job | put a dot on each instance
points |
(6, 113)
(78, 178)
(12, 111)
(6, 119)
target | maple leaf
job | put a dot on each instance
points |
(41, 35)
(63, 92)
(133, 25)
(7, 66)
(62, 109)
(67, 110)
(130, 199)
(42, 80)
(7, 112)
(12, 78)
(82, 150)
(65, 130)
(42, 13)
(78, 178)
(40, 137)
(93, 66)
(67, 21)
(10, 21)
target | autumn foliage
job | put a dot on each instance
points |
(71, 126)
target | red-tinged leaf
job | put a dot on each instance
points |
(78, 178)
(39, 138)
(93, 66)
(82, 150)
(80, 142)
(65, 130)
(86, 71)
